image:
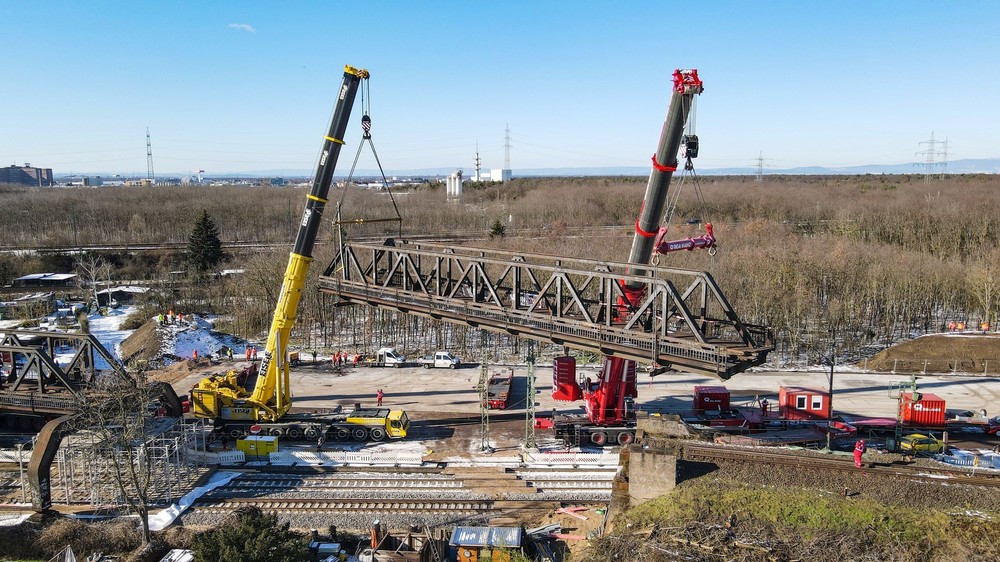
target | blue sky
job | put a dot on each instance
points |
(248, 86)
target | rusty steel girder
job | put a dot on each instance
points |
(682, 322)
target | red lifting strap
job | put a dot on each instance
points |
(662, 168)
(639, 230)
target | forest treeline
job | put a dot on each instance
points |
(872, 259)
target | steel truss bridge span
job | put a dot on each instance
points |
(683, 322)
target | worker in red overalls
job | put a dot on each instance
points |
(859, 449)
(378, 397)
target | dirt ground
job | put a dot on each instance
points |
(966, 352)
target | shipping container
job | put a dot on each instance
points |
(798, 403)
(927, 410)
(564, 385)
(711, 398)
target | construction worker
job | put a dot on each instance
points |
(378, 397)
(859, 449)
(247, 350)
(229, 353)
(314, 356)
(763, 407)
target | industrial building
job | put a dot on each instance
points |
(27, 175)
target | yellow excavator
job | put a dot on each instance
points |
(235, 410)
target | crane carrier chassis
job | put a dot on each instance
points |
(359, 424)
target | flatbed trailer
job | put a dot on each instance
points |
(498, 388)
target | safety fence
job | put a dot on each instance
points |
(343, 458)
(12, 456)
(213, 458)
(572, 459)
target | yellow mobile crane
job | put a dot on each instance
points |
(233, 409)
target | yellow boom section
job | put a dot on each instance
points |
(272, 393)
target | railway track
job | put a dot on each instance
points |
(462, 493)
(411, 505)
(790, 458)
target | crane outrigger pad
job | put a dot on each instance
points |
(682, 321)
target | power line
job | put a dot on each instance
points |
(931, 157)
(149, 160)
(506, 146)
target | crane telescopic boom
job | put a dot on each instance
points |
(271, 396)
(609, 402)
(686, 86)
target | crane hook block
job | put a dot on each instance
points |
(690, 143)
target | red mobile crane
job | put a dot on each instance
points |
(610, 401)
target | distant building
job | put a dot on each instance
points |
(46, 280)
(123, 295)
(26, 175)
(503, 175)
(94, 181)
(453, 185)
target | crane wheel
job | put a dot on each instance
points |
(378, 434)
(236, 432)
(312, 433)
(599, 438)
(625, 438)
(275, 432)
(293, 433)
(359, 434)
(341, 434)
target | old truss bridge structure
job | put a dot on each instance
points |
(33, 382)
(682, 323)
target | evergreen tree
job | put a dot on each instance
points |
(250, 535)
(204, 245)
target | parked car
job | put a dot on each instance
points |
(441, 360)
(919, 443)
(386, 357)
(993, 426)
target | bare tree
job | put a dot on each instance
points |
(92, 270)
(985, 285)
(118, 422)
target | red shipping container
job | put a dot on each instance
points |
(564, 386)
(928, 411)
(711, 398)
(797, 403)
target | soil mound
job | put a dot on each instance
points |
(144, 344)
(941, 353)
(179, 370)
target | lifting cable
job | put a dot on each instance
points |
(366, 125)
(690, 151)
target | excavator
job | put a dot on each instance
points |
(237, 411)
(609, 402)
